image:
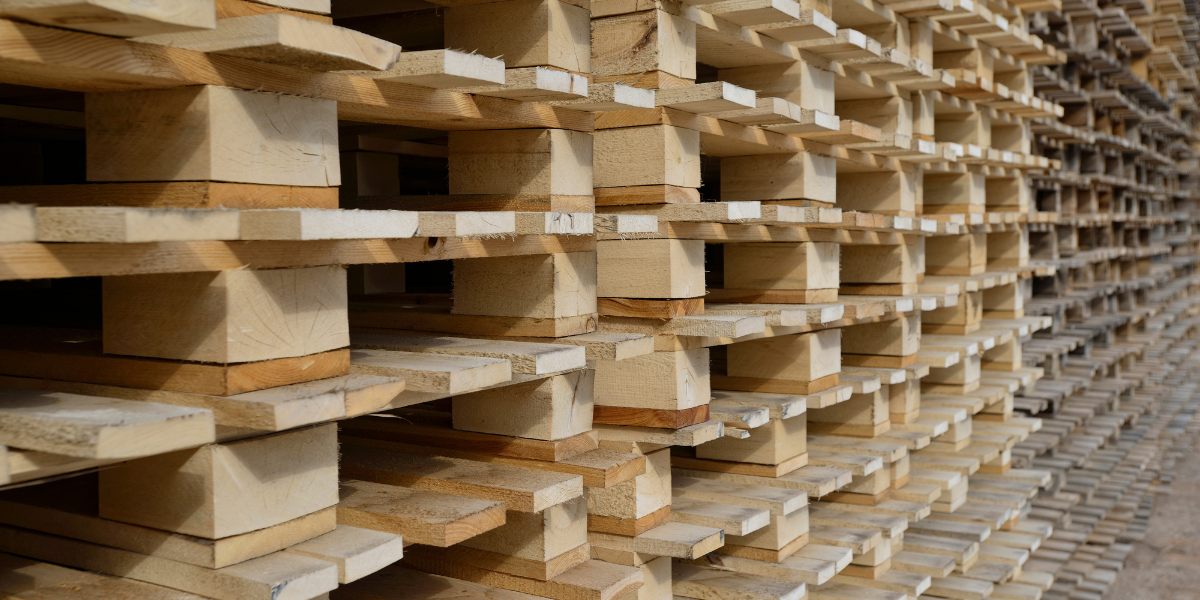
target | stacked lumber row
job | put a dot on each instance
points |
(1116, 388)
(556, 371)
(202, 372)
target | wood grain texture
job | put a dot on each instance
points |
(420, 516)
(524, 33)
(114, 224)
(526, 357)
(32, 579)
(400, 583)
(98, 427)
(176, 194)
(229, 316)
(650, 309)
(433, 373)
(540, 537)
(628, 526)
(649, 417)
(554, 408)
(528, 161)
(547, 287)
(278, 576)
(356, 552)
(287, 39)
(121, 18)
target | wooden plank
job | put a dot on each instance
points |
(525, 357)
(537, 570)
(286, 39)
(277, 576)
(19, 223)
(433, 429)
(734, 520)
(600, 468)
(76, 355)
(399, 583)
(115, 224)
(609, 96)
(274, 409)
(649, 417)
(675, 539)
(32, 579)
(108, 64)
(421, 517)
(356, 552)
(440, 69)
(97, 427)
(124, 143)
(425, 372)
(317, 224)
(692, 435)
(533, 84)
(121, 19)
(520, 489)
(778, 501)
(69, 508)
(593, 580)
(702, 98)
(175, 194)
(713, 584)
(39, 261)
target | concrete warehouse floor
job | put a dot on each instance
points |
(1166, 564)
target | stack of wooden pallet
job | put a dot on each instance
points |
(593, 300)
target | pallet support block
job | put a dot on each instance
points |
(644, 49)
(541, 163)
(646, 155)
(546, 286)
(539, 537)
(671, 380)
(884, 192)
(782, 266)
(964, 317)
(799, 82)
(219, 490)
(882, 270)
(953, 192)
(212, 133)
(887, 344)
(660, 269)
(799, 176)
(771, 444)
(227, 316)
(956, 254)
(863, 415)
(616, 509)
(554, 408)
(1008, 248)
(524, 33)
(802, 363)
